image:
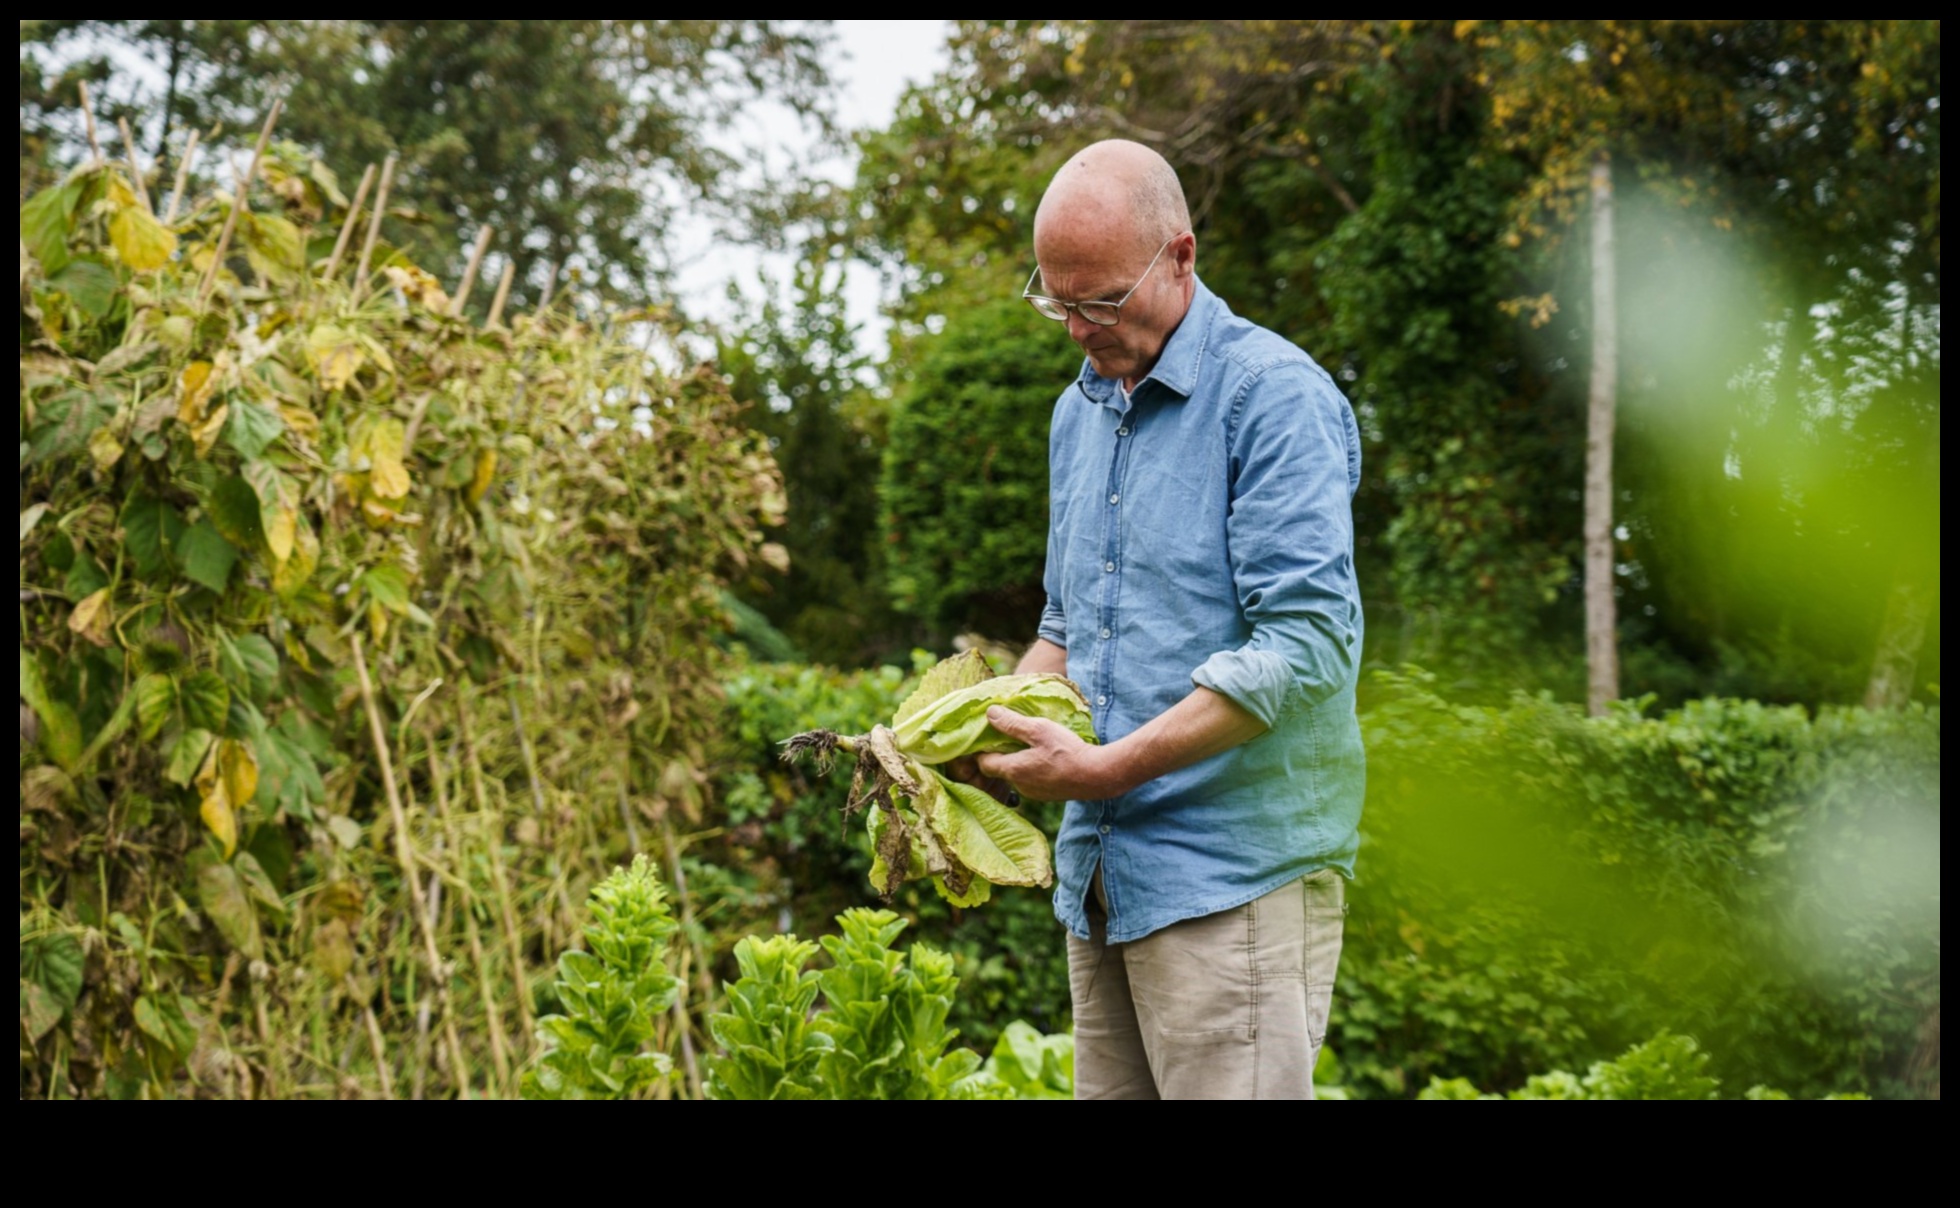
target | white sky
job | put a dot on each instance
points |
(877, 61)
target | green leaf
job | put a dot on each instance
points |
(156, 700)
(943, 678)
(956, 724)
(207, 556)
(55, 963)
(84, 578)
(165, 1019)
(151, 532)
(221, 891)
(235, 511)
(207, 700)
(45, 220)
(90, 284)
(258, 885)
(273, 245)
(983, 834)
(39, 1012)
(250, 427)
(186, 757)
(389, 587)
(250, 665)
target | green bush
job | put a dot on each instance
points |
(1666, 1067)
(1536, 888)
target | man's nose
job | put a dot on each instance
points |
(1079, 328)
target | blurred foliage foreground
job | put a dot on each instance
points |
(355, 642)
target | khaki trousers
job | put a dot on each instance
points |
(1229, 1006)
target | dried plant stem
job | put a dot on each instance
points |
(183, 178)
(347, 223)
(405, 857)
(493, 1014)
(237, 204)
(503, 294)
(374, 1038)
(513, 944)
(135, 169)
(374, 224)
(469, 271)
(88, 118)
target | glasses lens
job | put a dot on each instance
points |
(1048, 308)
(1102, 314)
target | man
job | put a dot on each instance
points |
(1201, 591)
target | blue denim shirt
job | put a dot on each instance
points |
(1201, 533)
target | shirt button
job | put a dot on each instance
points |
(1105, 829)
(1115, 496)
(1109, 568)
(1105, 635)
(1102, 700)
(1122, 432)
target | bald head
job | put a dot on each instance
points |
(1109, 191)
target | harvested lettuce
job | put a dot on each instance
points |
(924, 824)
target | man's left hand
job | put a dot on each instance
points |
(1056, 766)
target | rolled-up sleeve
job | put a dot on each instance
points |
(1295, 461)
(1054, 624)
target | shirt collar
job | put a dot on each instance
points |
(1177, 366)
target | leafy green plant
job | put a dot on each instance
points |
(1030, 1065)
(1668, 1066)
(612, 995)
(960, 836)
(769, 1049)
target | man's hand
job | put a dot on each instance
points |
(1056, 766)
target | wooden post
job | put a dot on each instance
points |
(469, 273)
(1602, 641)
(88, 117)
(347, 224)
(503, 293)
(237, 204)
(183, 178)
(135, 170)
(374, 224)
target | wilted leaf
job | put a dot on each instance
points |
(333, 950)
(156, 700)
(205, 435)
(486, 471)
(214, 803)
(238, 766)
(387, 476)
(143, 243)
(776, 555)
(165, 1019)
(278, 507)
(39, 1012)
(194, 387)
(222, 893)
(274, 247)
(30, 518)
(947, 676)
(983, 834)
(335, 354)
(289, 576)
(90, 620)
(258, 884)
(64, 424)
(234, 509)
(207, 556)
(104, 449)
(91, 284)
(418, 286)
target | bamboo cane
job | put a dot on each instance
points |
(469, 273)
(513, 944)
(88, 116)
(503, 293)
(374, 1038)
(135, 170)
(183, 178)
(374, 224)
(493, 1014)
(347, 224)
(237, 204)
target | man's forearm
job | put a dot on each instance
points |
(1043, 658)
(1201, 725)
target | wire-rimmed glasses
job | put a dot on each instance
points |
(1102, 314)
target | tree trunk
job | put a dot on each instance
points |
(1900, 635)
(1602, 641)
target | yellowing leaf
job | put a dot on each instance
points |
(418, 286)
(194, 387)
(206, 434)
(214, 802)
(238, 767)
(290, 575)
(776, 554)
(336, 355)
(281, 529)
(144, 244)
(104, 449)
(486, 470)
(90, 620)
(387, 476)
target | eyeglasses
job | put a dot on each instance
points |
(1102, 314)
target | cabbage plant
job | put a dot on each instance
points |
(924, 823)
